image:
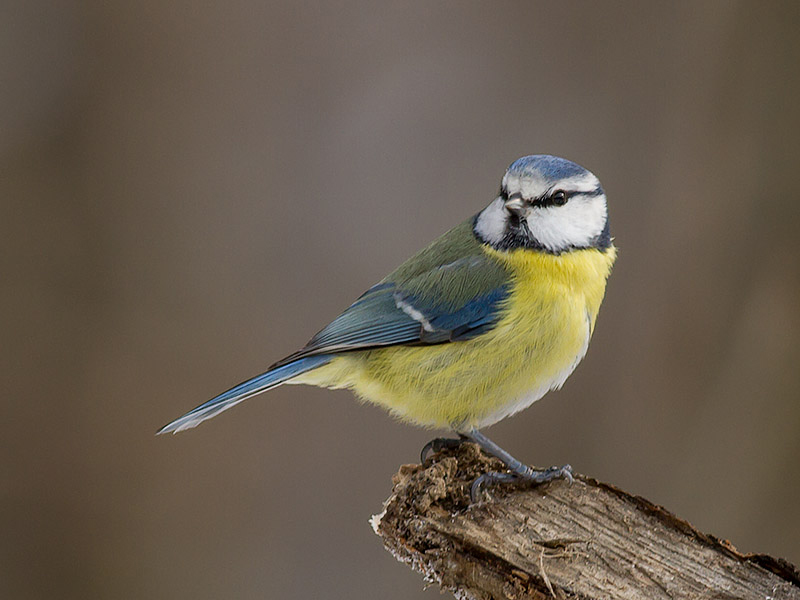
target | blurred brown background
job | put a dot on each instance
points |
(191, 189)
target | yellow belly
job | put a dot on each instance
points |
(541, 336)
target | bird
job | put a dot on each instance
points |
(476, 326)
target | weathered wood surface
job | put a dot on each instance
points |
(587, 540)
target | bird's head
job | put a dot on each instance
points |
(548, 204)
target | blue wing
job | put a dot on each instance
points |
(413, 312)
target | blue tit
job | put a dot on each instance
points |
(476, 326)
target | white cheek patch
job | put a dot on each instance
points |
(576, 224)
(492, 222)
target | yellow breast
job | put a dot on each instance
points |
(541, 336)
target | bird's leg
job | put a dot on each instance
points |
(518, 470)
(441, 443)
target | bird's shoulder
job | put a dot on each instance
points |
(451, 270)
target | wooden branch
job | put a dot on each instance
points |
(588, 540)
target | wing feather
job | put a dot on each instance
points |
(447, 303)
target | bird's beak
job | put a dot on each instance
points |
(515, 205)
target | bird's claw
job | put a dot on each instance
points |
(562, 472)
(532, 475)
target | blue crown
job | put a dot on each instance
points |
(547, 167)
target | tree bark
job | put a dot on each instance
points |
(585, 540)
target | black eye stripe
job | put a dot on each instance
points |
(555, 198)
(547, 200)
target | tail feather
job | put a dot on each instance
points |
(243, 391)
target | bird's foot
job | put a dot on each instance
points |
(525, 474)
(440, 443)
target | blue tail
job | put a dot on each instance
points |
(243, 391)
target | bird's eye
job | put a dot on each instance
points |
(558, 198)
